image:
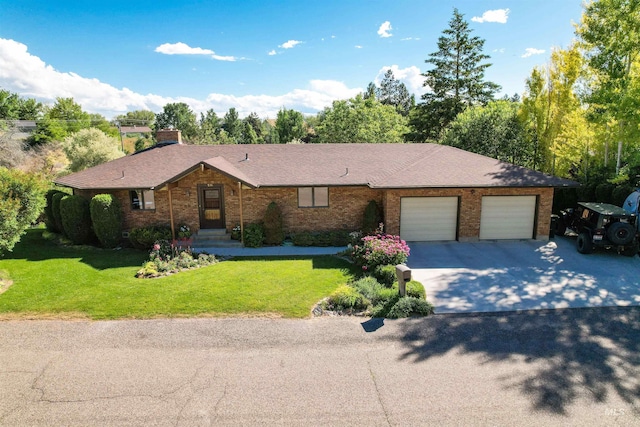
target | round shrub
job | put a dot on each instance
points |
(415, 289)
(386, 274)
(409, 306)
(371, 218)
(254, 235)
(620, 194)
(76, 219)
(49, 220)
(106, 217)
(339, 238)
(347, 298)
(369, 287)
(55, 211)
(304, 238)
(145, 237)
(273, 225)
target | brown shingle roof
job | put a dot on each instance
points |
(375, 165)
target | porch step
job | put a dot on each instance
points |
(214, 238)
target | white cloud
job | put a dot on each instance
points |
(499, 15)
(501, 50)
(272, 52)
(410, 76)
(530, 51)
(410, 38)
(385, 29)
(184, 49)
(290, 44)
(358, 46)
(29, 76)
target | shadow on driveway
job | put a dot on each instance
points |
(522, 275)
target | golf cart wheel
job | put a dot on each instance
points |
(585, 246)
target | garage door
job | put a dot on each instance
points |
(507, 217)
(428, 218)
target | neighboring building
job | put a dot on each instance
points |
(426, 191)
(138, 130)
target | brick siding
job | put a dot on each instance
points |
(470, 207)
(345, 210)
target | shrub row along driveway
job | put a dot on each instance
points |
(522, 275)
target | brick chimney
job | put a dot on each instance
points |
(169, 135)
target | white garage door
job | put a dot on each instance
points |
(507, 217)
(428, 218)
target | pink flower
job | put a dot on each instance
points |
(156, 247)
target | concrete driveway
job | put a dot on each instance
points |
(522, 275)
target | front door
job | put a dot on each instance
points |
(211, 206)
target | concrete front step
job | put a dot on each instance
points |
(214, 238)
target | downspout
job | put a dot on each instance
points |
(241, 214)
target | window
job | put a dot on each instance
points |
(313, 197)
(142, 200)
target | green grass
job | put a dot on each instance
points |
(75, 282)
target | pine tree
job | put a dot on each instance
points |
(456, 80)
(394, 92)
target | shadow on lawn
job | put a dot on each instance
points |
(576, 350)
(33, 247)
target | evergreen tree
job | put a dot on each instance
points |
(208, 129)
(394, 92)
(232, 125)
(456, 80)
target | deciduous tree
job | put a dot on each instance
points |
(21, 203)
(90, 147)
(178, 116)
(493, 130)
(360, 120)
(290, 126)
(610, 36)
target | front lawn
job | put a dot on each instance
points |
(63, 282)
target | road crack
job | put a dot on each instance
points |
(379, 396)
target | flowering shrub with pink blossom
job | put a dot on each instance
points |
(379, 249)
(166, 258)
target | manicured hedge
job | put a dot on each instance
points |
(106, 216)
(372, 217)
(49, 219)
(273, 225)
(55, 211)
(321, 238)
(76, 219)
(145, 237)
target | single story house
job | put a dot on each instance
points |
(426, 191)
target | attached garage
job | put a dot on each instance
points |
(425, 219)
(508, 217)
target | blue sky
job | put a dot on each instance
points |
(116, 56)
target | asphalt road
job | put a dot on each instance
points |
(569, 367)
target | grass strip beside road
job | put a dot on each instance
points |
(51, 281)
